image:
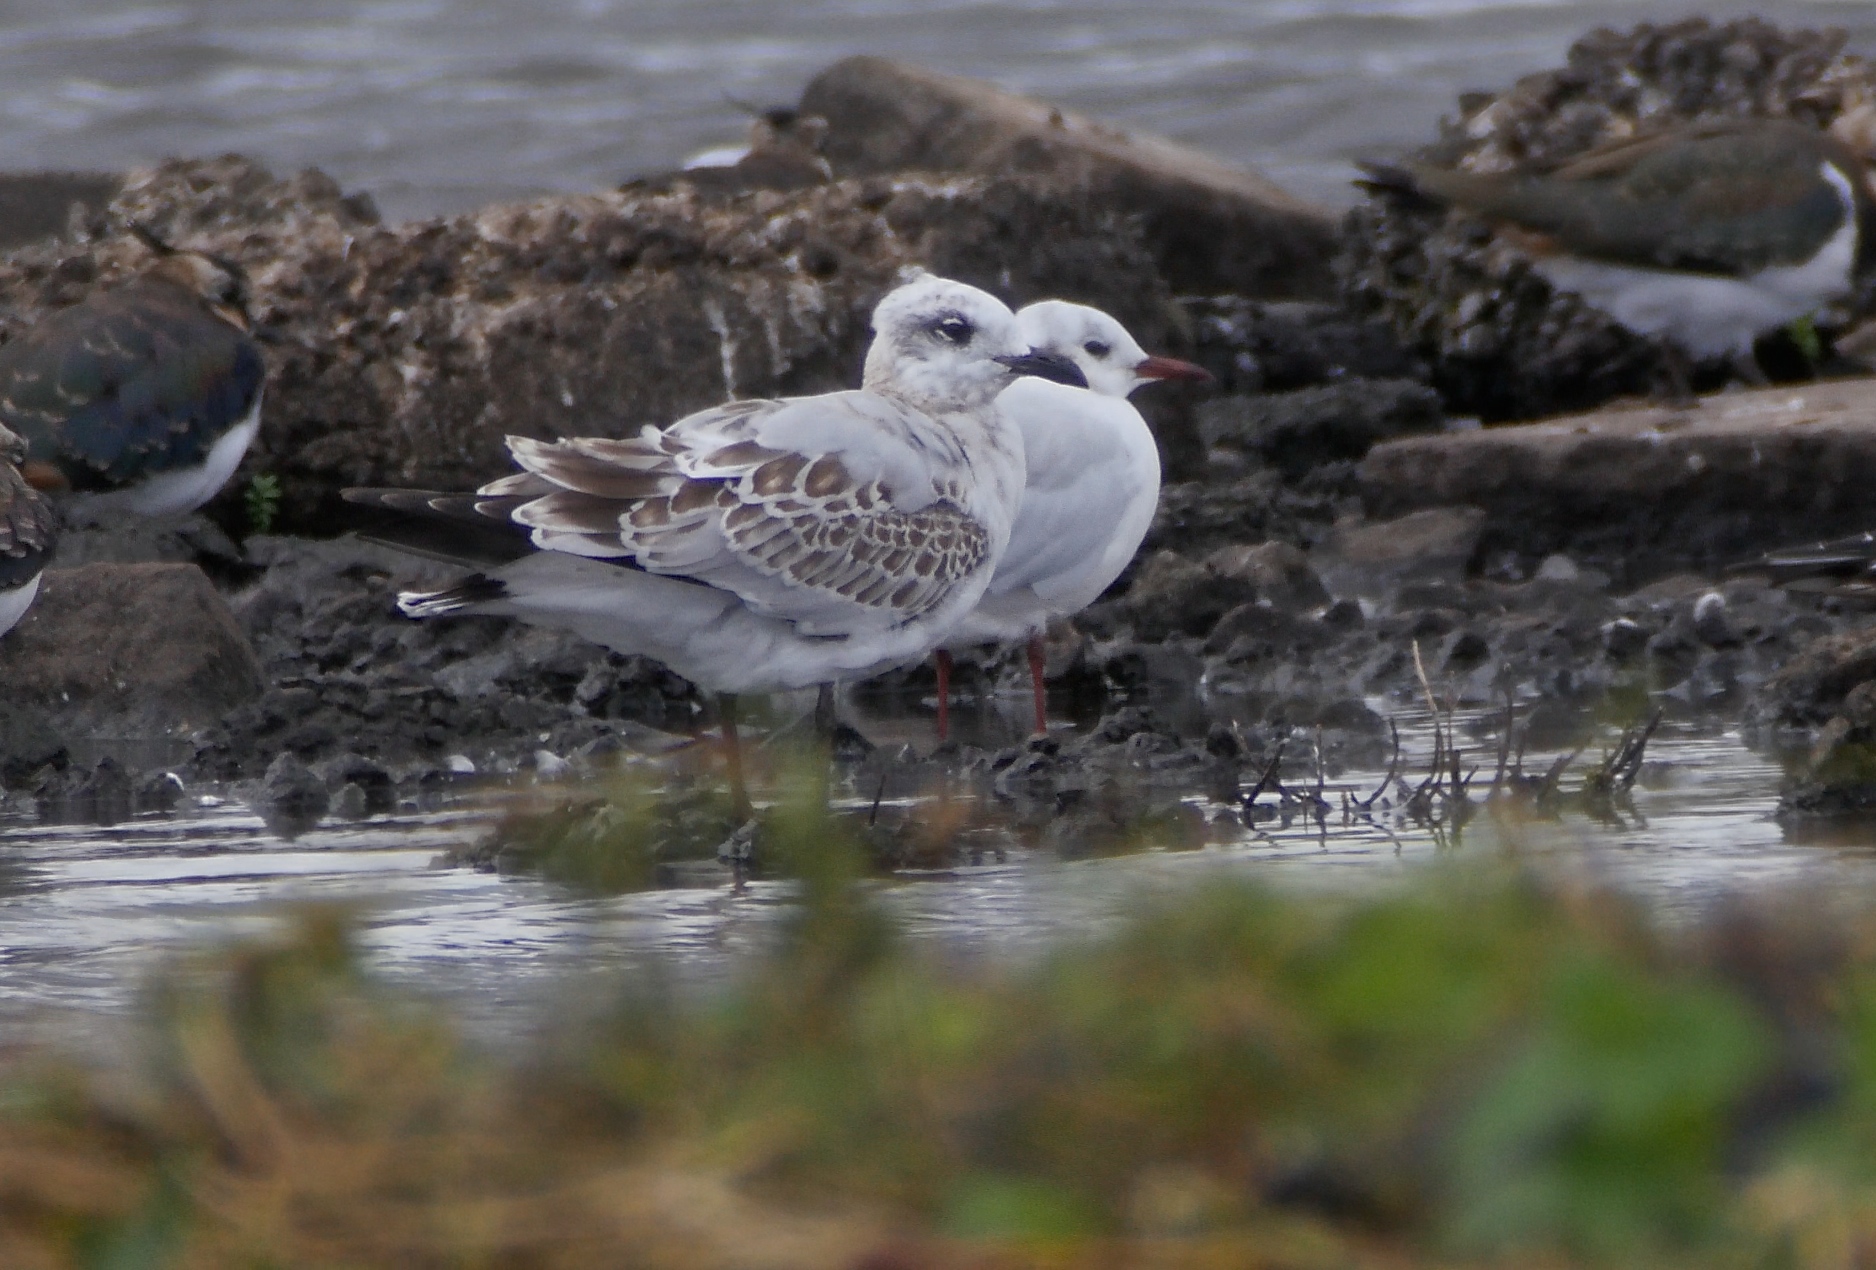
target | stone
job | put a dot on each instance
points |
(1172, 595)
(1213, 227)
(1815, 685)
(1279, 571)
(405, 353)
(1299, 430)
(291, 798)
(188, 539)
(1640, 490)
(1557, 567)
(1435, 543)
(1712, 623)
(1253, 346)
(129, 651)
(28, 742)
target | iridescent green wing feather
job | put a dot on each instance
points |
(125, 385)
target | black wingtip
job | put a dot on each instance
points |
(1042, 364)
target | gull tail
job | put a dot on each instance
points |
(463, 596)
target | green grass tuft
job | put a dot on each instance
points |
(262, 501)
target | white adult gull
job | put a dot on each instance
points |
(766, 545)
(1091, 487)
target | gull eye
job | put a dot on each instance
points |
(955, 330)
(1095, 348)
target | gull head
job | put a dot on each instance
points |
(936, 345)
(1110, 359)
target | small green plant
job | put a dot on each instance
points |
(263, 502)
(1810, 343)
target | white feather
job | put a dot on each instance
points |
(14, 603)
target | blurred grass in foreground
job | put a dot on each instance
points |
(1478, 1070)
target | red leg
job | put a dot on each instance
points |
(733, 756)
(944, 695)
(1038, 661)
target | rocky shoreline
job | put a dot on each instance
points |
(1331, 509)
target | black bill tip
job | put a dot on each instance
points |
(1053, 367)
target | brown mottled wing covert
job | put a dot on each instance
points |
(743, 516)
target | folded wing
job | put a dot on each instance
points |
(819, 511)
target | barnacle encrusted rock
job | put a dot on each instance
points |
(405, 353)
(1503, 344)
(1213, 226)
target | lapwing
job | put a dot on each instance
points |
(768, 545)
(1705, 236)
(143, 397)
(28, 532)
(1090, 488)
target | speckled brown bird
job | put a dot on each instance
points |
(28, 532)
(1706, 236)
(145, 396)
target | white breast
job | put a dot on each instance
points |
(182, 489)
(14, 603)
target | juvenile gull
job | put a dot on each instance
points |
(1090, 489)
(144, 397)
(765, 545)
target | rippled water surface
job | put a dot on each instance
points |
(438, 105)
(85, 911)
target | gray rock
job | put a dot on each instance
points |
(1279, 571)
(137, 540)
(1557, 567)
(1437, 543)
(291, 795)
(1309, 427)
(1173, 595)
(1253, 346)
(128, 651)
(28, 742)
(1213, 227)
(1643, 491)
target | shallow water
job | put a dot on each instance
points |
(86, 911)
(440, 105)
